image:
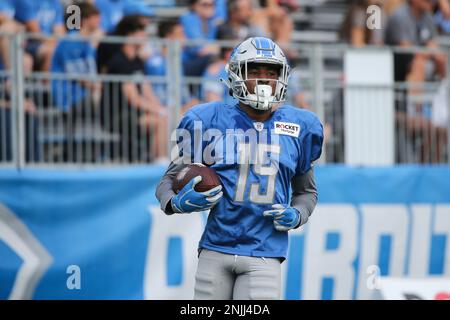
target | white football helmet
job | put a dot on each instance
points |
(257, 50)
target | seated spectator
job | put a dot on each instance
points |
(273, 18)
(412, 25)
(354, 28)
(131, 107)
(76, 57)
(239, 23)
(200, 23)
(44, 17)
(133, 11)
(156, 64)
(50, 15)
(16, 17)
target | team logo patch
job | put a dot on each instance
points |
(286, 128)
(258, 126)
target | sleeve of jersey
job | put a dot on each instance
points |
(311, 146)
(189, 140)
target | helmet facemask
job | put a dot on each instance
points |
(267, 92)
(257, 50)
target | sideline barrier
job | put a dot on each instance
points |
(99, 234)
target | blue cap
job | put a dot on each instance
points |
(137, 7)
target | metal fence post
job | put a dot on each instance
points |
(17, 100)
(174, 83)
(318, 91)
(448, 103)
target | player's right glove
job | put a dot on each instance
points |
(188, 200)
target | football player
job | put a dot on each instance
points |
(268, 185)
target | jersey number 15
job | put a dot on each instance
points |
(270, 170)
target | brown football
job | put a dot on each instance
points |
(210, 179)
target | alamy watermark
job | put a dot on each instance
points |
(373, 279)
(234, 146)
(73, 281)
(374, 21)
(73, 19)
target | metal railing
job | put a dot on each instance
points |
(105, 128)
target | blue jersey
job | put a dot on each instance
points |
(20, 10)
(50, 14)
(72, 57)
(254, 175)
(194, 29)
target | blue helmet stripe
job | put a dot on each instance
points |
(265, 44)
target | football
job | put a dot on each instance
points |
(210, 179)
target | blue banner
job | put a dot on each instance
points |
(99, 234)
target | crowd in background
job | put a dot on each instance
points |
(409, 23)
(404, 23)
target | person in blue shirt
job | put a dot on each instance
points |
(263, 152)
(44, 17)
(200, 23)
(16, 16)
(75, 57)
(50, 16)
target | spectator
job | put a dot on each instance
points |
(132, 107)
(156, 65)
(50, 15)
(239, 21)
(75, 57)
(354, 29)
(74, 97)
(133, 11)
(200, 23)
(45, 17)
(16, 16)
(273, 18)
(412, 25)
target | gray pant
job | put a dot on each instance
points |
(223, 276)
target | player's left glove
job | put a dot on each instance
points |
(284, 219)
